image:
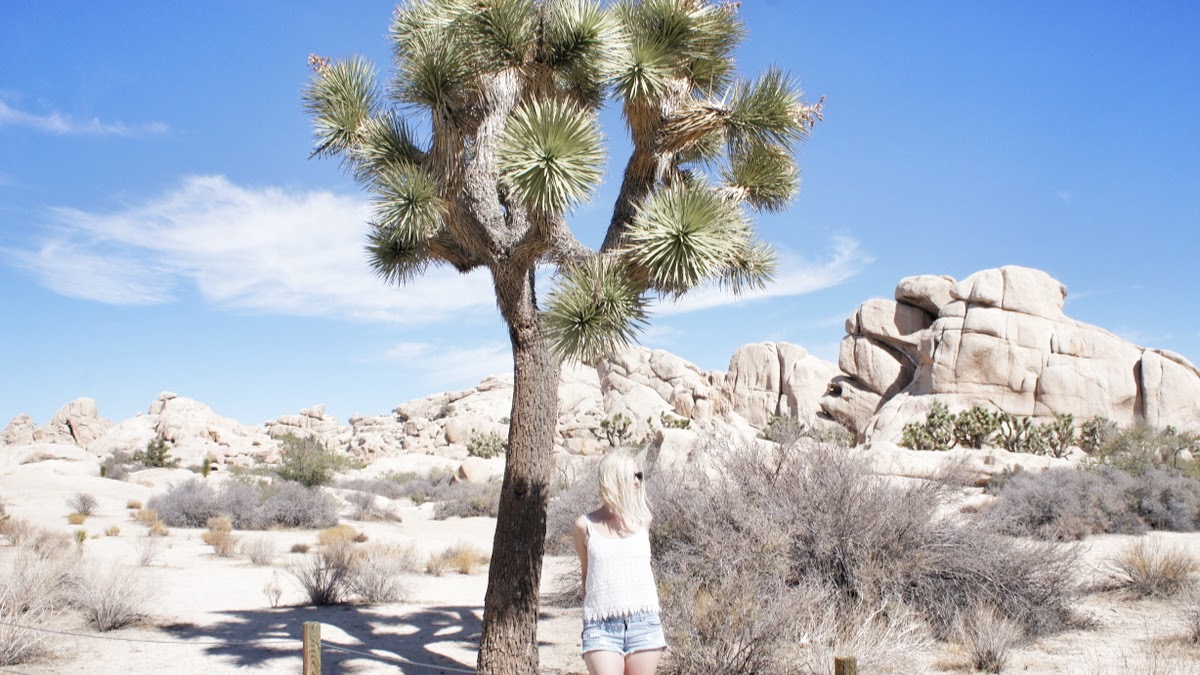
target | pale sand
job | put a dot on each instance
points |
(209, 614)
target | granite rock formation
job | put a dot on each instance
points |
(1000, 339)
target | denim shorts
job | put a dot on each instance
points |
(624, 635)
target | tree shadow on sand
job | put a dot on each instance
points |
(253, 638)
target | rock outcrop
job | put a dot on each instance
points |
(999, 339)
(644, 385)
(769, 379)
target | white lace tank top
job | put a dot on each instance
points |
(620, 581)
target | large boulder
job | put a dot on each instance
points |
(21, 430)
(77, 422)
(769, 379)
(998, 339)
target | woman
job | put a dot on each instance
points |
(622, 634)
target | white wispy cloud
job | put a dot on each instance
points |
(446, 366)
(56, 122)
(795, 276)
(263, 250)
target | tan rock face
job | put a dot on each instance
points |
(21, 430)
(769, 379)
(78, 422)
(999, 339)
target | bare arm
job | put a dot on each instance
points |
(579, 536)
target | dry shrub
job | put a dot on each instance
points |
(1187, 609)
(260, 551)
(145, 516)
(134, 504)
(147, 548)
(366, 506)
(463, 557)
(299, 548)
(82, 503)
(112, 531)
(376, 486)
(112, 598)
(773, 519)
(1072, 504)
(35, 585)
(987, 638)
(220, 536)
(566, 504)
(158, 529)
(76, 518)
(189, 504)
(1149, 567)
(273, 590)
(437, 565)
(376, 570)
(337, 535)
(250, 505)
(324, 575)
(467, 500)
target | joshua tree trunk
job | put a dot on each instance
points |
(510, 610)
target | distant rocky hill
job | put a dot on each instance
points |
(642, 385)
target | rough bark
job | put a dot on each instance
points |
(510, 609)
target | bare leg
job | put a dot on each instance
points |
(604, 663)
(643, 663)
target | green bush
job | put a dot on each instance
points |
(307, 461)
(618, 429)
(937, 433)
(670, 421)
(974, 427)
(1059, 435)
(1094, 433)
(156, 455)
(487, 445)
(1140, 446)
(783, 429)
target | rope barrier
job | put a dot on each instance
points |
(152, 642)
(394, 659)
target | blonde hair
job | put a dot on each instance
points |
(618, 492)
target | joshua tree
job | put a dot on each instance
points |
(475, 154)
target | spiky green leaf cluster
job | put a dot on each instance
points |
(395, 255)
(502, 31)
(551, 154)
(677, 38)
(766, 111)
(767, 174)
(340, 96)
(684, 235)
(647, 73)
(406, 200)
(596, 309)
(435, 65)
(585, 46)
(752, 266)
(385, 143)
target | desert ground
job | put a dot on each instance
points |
(210, 614)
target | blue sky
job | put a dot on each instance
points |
(161, 227)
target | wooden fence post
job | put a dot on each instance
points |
(845, 665)
(312, 648)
